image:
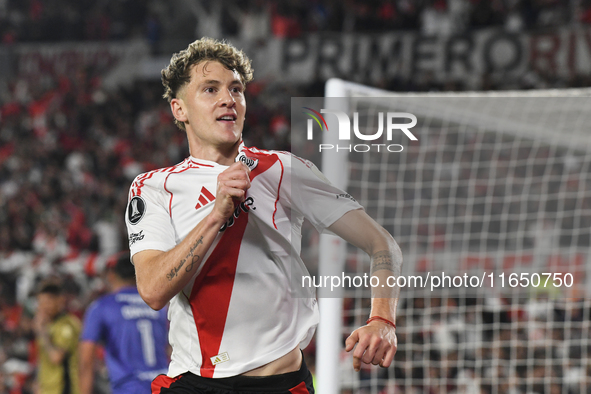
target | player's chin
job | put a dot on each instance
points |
(231, 133)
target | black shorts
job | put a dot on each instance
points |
(298, 382)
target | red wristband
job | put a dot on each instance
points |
(382, 320)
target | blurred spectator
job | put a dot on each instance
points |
(254, 21)
(435, 20)
(57, 342)
(285, 20)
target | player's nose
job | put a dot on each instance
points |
(227, 99)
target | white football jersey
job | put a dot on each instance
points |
(245, 306)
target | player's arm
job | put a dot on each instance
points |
(376, 342)
(162, 275)
(87, 351)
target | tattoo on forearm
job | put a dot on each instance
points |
(191, 255)
(194, 260)
(382, 261)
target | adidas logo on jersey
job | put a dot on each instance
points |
(205, 198)
(220, 358)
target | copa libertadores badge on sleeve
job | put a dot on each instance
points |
(136, 210)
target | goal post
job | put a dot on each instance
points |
(332, 251)
(496, 189)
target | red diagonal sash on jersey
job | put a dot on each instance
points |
(265, 162)
(212, 290)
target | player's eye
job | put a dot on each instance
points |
(209, 90)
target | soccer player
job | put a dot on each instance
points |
(217, 237)
(57, 342)
(133, 334)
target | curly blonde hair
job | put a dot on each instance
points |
(178, 73)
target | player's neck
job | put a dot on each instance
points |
(221, 155)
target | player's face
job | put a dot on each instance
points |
(49, 304)
(212, 106)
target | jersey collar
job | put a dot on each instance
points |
(210, 163)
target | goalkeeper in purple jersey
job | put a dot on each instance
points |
(134, 335)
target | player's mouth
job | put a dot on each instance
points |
(227, 118)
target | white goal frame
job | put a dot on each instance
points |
(333, 249)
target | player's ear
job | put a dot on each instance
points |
(177, 107)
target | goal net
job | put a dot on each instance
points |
(491, 206)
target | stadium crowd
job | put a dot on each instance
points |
(488, 346)
(69, 150)
(69, 20)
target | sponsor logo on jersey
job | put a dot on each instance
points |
(204, 198)
(220, 358)
(346, 195)
(244, 206)
(136, 210)
(134, 237)
(250, 163)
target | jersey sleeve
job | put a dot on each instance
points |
(313, 196)
(147, 217)
(94, 327)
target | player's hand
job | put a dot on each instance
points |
(376, 344)
(231, 188)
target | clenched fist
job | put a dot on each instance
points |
(231, 189)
